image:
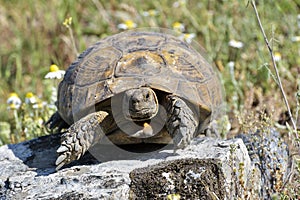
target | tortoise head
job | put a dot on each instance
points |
(140, 104)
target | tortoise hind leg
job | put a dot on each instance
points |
(81, 135)
(181, 123)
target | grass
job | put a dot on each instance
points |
(33, 37)
(31, 42)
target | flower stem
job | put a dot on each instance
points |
(18, 125)
(73, 41)
(276, 70)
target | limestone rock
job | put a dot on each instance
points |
(207, 169)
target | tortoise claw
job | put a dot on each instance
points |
(61, 161)
(62, 149)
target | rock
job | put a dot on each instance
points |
(270, 158)
(207, 169)
(187, 178)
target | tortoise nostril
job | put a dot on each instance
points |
(147, 96)
(135, 101)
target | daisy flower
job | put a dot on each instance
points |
(55, 73)
(39, 105)
(13, 101)
(235, 44)
(277, 56)
(128, 24)
(188, 37)
(30, 98)
(150, 13)
(177, 26)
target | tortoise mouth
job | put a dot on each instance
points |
(142, 114)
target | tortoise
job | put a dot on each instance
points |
(135, 87)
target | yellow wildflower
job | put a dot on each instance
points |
(68, 21)
(151, 13)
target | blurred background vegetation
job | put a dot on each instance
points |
(33, 37)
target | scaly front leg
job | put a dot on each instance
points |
(81, 136)
(181, 122)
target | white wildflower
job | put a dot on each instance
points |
(188, 37)
(150, 13)
(128, 24)
(30, 98)
(231, 64)
(177, 26)
(13, 101)
(55, 73)
(235, 44)
(277, 56)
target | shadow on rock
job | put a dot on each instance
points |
(40, 154)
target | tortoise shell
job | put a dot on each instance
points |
(135, 59)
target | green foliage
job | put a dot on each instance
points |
(26, 118)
